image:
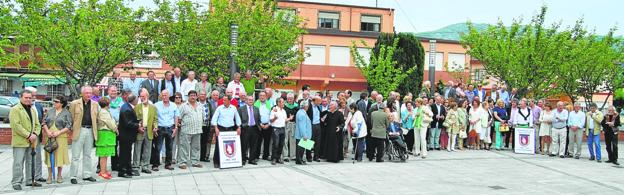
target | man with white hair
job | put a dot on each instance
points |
(576, 122)
(133, 83)
(559, 130)
(187, 85)
(449, 91)
(84, 132)
(236, 86)
(291, 108)
(116, 80)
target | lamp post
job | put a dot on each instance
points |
(233, 42)
(432, 58)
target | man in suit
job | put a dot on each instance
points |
(178, 77)
(439, 114)
(128, 129)
(481, 93)
(370, 150)
(250, 131)
(362, 103)
(25, 129)
(151, 84)
(169, 84)
(84, 113)
(449, 91)
(206, 135)
(203, 86)
(146, 113)
(40, 113)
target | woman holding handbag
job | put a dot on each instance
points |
(475, 114)
(424, 117)
(500, 123)
(546, 119)
(57, 124)
(462, 116)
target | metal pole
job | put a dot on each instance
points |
(432, 58)
(233, 42)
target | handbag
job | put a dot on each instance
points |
(462, 134)
(51, 145)
(504, 127)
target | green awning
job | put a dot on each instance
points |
(41, 79)
(10, 75)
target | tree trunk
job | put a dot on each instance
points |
(605, 102)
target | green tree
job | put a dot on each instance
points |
(85, 40)
(8, 55)
(409, 54)
(200, 40)
(381, 72)
(520, 55)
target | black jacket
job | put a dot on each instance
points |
(243, 111)
(128, 123)
(437, 123)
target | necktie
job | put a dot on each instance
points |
(252, 120)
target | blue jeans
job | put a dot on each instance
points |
(591, 141)
(434, 138)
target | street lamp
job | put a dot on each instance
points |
(233, 42)
(432, 58)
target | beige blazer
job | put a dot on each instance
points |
(76, 110)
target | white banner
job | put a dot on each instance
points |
(525, 140)
(230, 150)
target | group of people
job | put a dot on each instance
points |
(178, 117)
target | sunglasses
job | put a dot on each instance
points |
(178, 97)
(57, 101)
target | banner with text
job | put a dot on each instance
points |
(525, 140)
(230, 150)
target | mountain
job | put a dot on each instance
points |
(451, 32)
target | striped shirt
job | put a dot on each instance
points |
(192, 118)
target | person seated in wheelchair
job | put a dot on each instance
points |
(395, 134)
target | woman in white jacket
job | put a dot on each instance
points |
(474, 118)
(356, 125)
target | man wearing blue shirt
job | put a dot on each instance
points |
(225, 119)
(167, 114)
(133, 83)
(264, 106)
(314, 112)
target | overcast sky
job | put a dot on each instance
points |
(422, 16)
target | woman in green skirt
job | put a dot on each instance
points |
(107, 133)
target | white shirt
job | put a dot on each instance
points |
(519, 118)
(280, 122)
(236, 88)
(178, 82)
(577, 119)
(186, 87)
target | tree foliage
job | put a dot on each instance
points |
(200, 40)
(409, 54)
(8, 54)
(381, 72)
(543, 60)
(85, 40)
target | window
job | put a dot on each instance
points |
(285, 14)
(365, 53)
(478, 74)
(316, 55)
(439, 59)
(6, 85)
(339, 56)
(54, 90)
(456, 61)
(370, 23)
(328, 20)
(5, 102)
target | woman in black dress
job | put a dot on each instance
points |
(333, 123)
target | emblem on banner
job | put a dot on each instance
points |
(230, 148)
(524, 139)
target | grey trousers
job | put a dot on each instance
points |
(21, 158)
(289, 142)
(82, 146)
(142, 154)
(176, 144)
(38, 162)
(189, 146)
(576, 142)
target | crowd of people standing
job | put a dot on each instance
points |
(143, 124)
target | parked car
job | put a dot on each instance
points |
(6, 102)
